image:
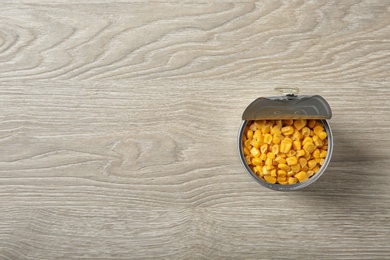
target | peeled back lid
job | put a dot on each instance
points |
(290, 106)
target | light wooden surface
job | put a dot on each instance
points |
(119, 121)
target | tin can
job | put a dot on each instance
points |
(288, 106)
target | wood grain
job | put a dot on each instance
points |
(119, 122)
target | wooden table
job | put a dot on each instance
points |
(119, 122)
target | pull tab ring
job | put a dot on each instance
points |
(288, 91)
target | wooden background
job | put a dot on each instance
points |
(119, 121)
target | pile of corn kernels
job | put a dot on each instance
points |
(285, 151)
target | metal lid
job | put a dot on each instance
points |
(289, 106)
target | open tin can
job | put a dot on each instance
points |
(289, 106)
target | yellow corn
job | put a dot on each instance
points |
(310, 173)
(270, 179)
(305, 168)
(292, 180)
(265, 171)
(301, 176)
(322, 153)
(275, 129)
(287, 130)
(301, 153)
(317, 141)
(263, 157)
(268, 161)
(316, 169)
(292, 160)
(255, 152)
(284, 167)
(285, 145)
(249, 134)
(280, 159)
(322, 135)
(271, 155)
(307, 139)
(282, 179)
(253, 127)
(296, 135)
(264, 148)
(288, 122)
(322, 160)
(246, 151)
(255, 143)
(291, 153)
(257, 161)
(273, 172)
(318, 129)
(268, 138)
(311, 164)
(282, 173)
(276, 139)
(279, 123)
(311, 123)
(265, 128)
(316, 153)
(275, 149)
(302, 162)
(297, 145)
(305, 131)
(296, 168)
(269, 167)
(309, 147)
(248, 160)
(299, 123)
(247, 143)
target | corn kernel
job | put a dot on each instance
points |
(263, 156)
(322, 160)
(301, 176)
(322, 135)
(301, 153)
(302, 162)
(296, 168)
(296, 135)
(285, 145)
(299, 123)
(282, 173)
(292, 160)
(322, 153)
(275, 149)
(267, 138)
(291, 153)
(255, 152)
(269, 167)
(247, 144)
(316, 153)
(265, 171)
(309, 148)
(310, 173)
(273, 172)
(276, 139)
(316, 169)
(264, 148)
(305, 131)
(307, 139)
(268, 161)
(253, 127)
(279, 123)
(318, 129)
(292, 180)
(270, 179)
(284, 166)
(275, 129)
(280, 159)
(297, 145)
(305, 168)
(282, 179)
(248, 160)
(311, 123)
(287, 130)
(288, 122)
(255, 143)
(246, 151)
(271, 155)
(249, 134)
(265, 128)
(318, 142)
(311, 164)
(257, 161)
